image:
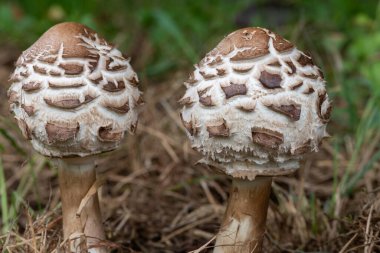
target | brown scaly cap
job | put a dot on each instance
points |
(258, 104)
(73, 93)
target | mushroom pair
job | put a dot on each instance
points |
(253, 106)
(74, 95)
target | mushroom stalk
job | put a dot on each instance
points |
(243, 226)
(84, 228)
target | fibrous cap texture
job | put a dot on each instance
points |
(73, 93)
(255, 104)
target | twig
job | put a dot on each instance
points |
(204, 246)
(368, 237)
(348, 243)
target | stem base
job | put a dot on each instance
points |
(76, 176)
(243, 226)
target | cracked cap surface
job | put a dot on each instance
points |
(73, 93)
(255, 104)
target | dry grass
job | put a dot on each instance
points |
(156, 199)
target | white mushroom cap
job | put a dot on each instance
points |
(255, 104)
(73, 93)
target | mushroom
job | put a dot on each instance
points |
(269, 107)
(74, 95)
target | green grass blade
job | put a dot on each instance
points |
(169, 25)
(350, 185)
(4, 200)
(12, 141)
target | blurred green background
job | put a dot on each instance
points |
(167, 37)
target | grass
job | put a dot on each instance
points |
(4, 200)
(331, 205)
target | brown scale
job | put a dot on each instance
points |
(119, 109)
(31, 86)
(111, 86)
(63, 85)
(23, 61)
(115, 68)
(92, 65)
(327, 115)
(186, 101)
(324, 117)
(275, 64)
(321, 74)
(204, 61)
(50, 59)
(58, 132)
(140, 100)
(191, 79)
(92, 37)
(221, 72)
(29, 109)
(281, 44)
(24, 129)
(216, 61)
(133, 81)
(311, 76)
(293, 111)
(54, 73)
(205, 100)
(305, 148)
(107, 134)
(207, 76)
(71, 68)
(118, 68)
(39, 70)
(250, 54)
(270, 81)
(133, 127)
(248, 107)
(189, 126)
(234, 89)
(68, 103)
(305, 60)
(13, 97)
(97, 80)
(219, 130)
(241, 70)
(308, 91)
(297, 85)
(267, 138)
(123, 57)
(15, 78)
(24, 74)
(202, 92)
(292, 67)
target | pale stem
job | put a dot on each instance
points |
(76, 176)
(243, 227)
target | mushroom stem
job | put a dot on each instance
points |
(84, 229)
(243, 226)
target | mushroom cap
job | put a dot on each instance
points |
(73, 93)
(255, 104)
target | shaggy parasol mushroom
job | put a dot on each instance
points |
(253, 106)
(74, 95)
